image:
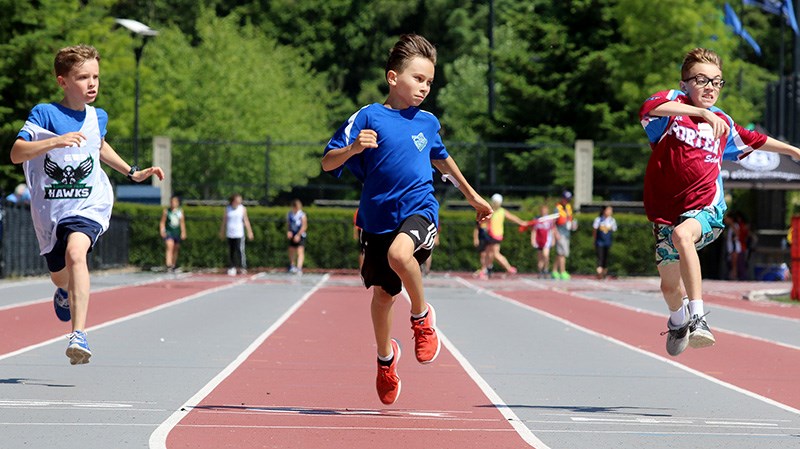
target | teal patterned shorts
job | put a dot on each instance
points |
(711, 225)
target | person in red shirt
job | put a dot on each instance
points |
(683, 194)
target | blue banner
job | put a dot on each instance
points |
(732, 20)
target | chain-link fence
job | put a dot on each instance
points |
(19, 248)
(273, 172)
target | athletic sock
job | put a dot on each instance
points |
(386, 361)
(678, 317)
(696, 307)
(421, 315)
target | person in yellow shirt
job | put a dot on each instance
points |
(565, 224)
(494, 238)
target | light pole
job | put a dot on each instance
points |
(144, 32)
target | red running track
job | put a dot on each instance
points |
(311, 384)
(761, 367)
(36, 323)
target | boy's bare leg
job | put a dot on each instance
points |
(168, 257)
(486, 259)
(176, 249)
(60, 278)
(561, 263)
(684, 238)
(671, 285)
(381, 309)
(79, 283)
(301, 255)
(496, 255)
(403, 262)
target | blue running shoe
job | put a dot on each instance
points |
(61, 304)
(78, 349)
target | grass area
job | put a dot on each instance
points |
(785, 298)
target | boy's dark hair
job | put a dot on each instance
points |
(233, 197)
(408, 47)
(69, 57)
(699, 56)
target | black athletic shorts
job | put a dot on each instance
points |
(376, 270)
(56, 258)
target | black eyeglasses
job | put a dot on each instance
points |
(703, 81)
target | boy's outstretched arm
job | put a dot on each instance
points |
(673, 108)
(776, 146)
(24, 151)
(112, 159)
(335, 158)
(449, 167)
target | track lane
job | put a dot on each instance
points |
(758, 366)
(29, 325)
(311, 384)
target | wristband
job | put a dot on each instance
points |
(133, 170)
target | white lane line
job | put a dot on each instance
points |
(633, 348)
(522, 430)
(356, 428)
(753, 312)
(92, 292)
(658, 432)
(158, 439)
(710, 306)
(126, 318)
(412, 416)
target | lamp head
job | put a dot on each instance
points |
(137, 27)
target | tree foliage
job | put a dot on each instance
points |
(293, 70)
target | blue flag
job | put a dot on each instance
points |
(778, 7)
(732, 20)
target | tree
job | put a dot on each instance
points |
(235, 84)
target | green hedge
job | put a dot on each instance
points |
(330, 242)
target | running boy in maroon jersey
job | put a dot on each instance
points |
(683, 194)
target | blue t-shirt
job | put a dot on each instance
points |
(397, 176)
(61, 120)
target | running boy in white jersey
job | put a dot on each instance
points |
(683, 194)
(389, 147)
(61, 146)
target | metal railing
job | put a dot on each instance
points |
(19, 248)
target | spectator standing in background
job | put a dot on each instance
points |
(234, 224)
(543, 235)
(173, 230)
(297, 225)
(565, 224)
(603, 228)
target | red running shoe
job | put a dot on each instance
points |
(426, 340)
(387, 383)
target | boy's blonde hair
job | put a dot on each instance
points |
(408, 47)
(699, 56)
(73, 56)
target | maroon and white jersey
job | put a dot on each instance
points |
(683, 173)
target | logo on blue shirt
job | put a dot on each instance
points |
(420, 141)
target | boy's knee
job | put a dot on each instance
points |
(75, 255)
(686, 234)
(669, 289)
(78, 246)
(397, 258)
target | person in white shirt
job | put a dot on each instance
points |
(234, 224)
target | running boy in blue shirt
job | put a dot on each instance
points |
(389, 147)
(60, 147)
